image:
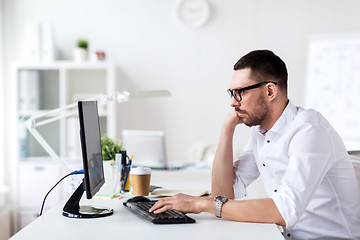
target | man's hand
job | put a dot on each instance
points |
(183, 203)
(232, 119)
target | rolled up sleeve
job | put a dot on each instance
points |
(245, 172)
(310, 158)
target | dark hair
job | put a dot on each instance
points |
(265, 66)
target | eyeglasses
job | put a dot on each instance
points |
(236, 93)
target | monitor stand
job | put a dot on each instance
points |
(72, 209)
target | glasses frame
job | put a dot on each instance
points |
(240, 90)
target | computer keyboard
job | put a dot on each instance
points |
(168, 217)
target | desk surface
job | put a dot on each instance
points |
(124, 223)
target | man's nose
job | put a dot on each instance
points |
(234, 103)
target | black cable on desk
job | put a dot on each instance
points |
(72, 173)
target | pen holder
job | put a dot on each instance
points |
(127, 185)
(112, 178)
(125, 179)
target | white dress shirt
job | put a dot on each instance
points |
(307, 172)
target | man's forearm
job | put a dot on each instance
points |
(256, 210)
(222, 171)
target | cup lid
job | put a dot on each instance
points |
(140, 170)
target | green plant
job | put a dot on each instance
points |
(109, 148)
(82, 43)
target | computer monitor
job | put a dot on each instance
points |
(92, 162)
(147, 146)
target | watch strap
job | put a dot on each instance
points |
(219, 201)
(218, 206)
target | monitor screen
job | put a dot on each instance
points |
(92, 162)
(91, 147)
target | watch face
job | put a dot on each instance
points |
(221, 199)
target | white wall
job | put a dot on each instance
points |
(2, 163)
(153, 51)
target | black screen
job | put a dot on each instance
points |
(91, 147)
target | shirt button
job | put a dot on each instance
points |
(289, 235)
(275, 190)
(268, 141)
(264, 164)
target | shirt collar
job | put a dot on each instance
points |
(285, 119)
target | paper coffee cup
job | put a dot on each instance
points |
(140, 180)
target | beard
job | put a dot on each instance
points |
(257, 116)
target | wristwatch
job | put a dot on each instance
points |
(220, 200)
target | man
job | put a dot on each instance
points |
(303, 162)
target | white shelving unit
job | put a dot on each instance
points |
(56, 85)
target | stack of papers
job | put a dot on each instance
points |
(163, 192)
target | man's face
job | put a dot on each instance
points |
(253, 108)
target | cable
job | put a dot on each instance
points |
(72, 173)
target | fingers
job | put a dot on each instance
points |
(168, 203)
(161, 209)
(160, 206)
(232, 119)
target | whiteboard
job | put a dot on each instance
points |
(333, 82)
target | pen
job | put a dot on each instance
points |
(126, 183)
(127, 180)
(123, 166)
(130, 160)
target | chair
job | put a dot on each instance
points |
(355, 159)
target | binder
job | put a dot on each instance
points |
(29, 90)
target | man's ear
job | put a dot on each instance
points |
(271, 91)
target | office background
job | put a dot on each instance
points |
(153, 50)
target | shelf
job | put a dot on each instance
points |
(56, 85)
(64, 65)
(35, 159)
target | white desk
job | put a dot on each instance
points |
(126, 225)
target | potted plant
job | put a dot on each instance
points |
(109, 148)
(81, 50)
